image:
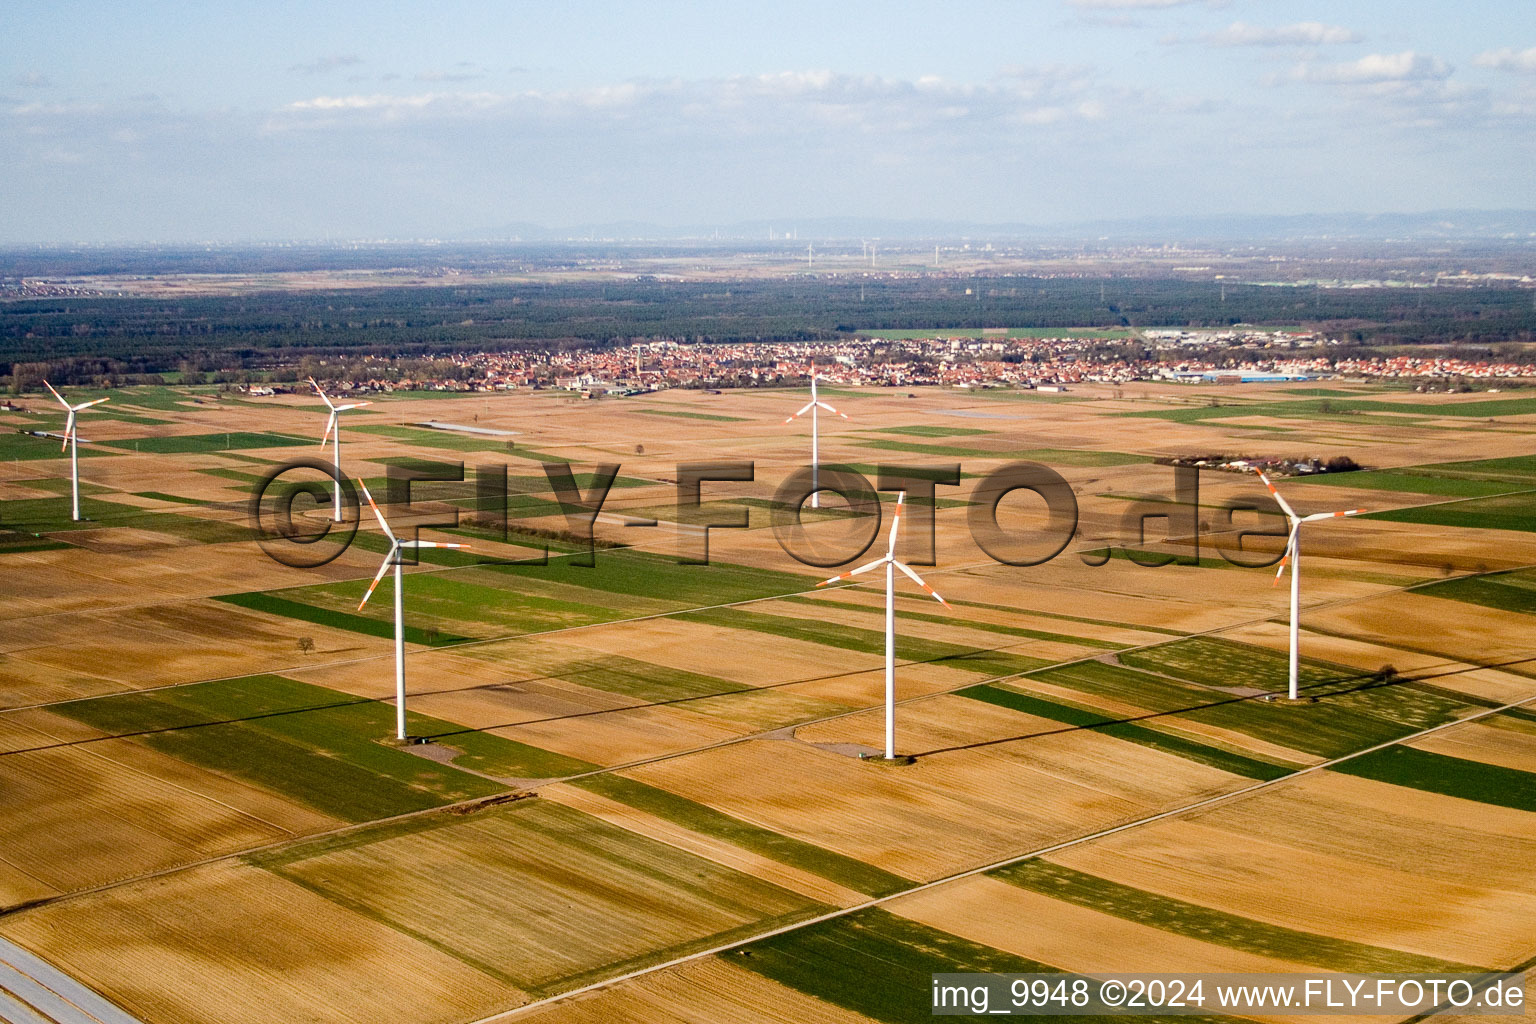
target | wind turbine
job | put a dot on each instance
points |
(397, 547)
(891, 565)
(333, 426)
(72, 445)
(814, 407)
(1292, 558)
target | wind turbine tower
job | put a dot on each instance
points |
(891, 566)
(1292, 558)
(333, 434)
(814, 406)
(72, 445)
(393, 557)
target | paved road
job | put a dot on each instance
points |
(32, 991)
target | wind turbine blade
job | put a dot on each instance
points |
(389, 561)
(379, 515)
(919, 581)
(56, 394)
(352, 405)
(1332, 515)
(330, 425)
(69, 431)
(1290, 545)
(1283, 503)
(827, 407)
(901, 499)
(87, 405)
(854, 572)
(808, 407)
(321, 393)
(429, 544)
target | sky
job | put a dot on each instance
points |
(238, 121)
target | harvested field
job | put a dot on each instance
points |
(949, 811)
(705, 992)
(240, 945)
(1435, 892)
(538, 895)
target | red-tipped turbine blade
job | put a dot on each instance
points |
(388, 563)
(919, 581)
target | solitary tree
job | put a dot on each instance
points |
(306, 644)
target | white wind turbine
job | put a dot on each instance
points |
(814, 406)
(72, 445)
(397, 548)
(891, 565)
(333, 427)
(1292, 558)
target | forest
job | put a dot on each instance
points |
(81, 337)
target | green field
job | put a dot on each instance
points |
(942, 450)
(1209, 925)
(963, 603)
(1080, 457)
(180, 445)
(377, 625)
(1497, 512)
(1204, 680)
(441, 439)
(694, 415)
(1179, 746)
(1511, 592)
(614, 673)
(990, 627)
(836, 867)
(174, 498)
(925, 430)
(316, 746)
(877, 964)
(1450, 776)
(1471, 479)
(1050, 456)
(51, 515)
(478, 599)
(14, 543)
(1346, 410)
(19, 447)
(869, 641)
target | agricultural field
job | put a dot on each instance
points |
(639, 787)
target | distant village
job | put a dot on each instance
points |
(992, 360)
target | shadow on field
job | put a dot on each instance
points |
(448, 734)
(1361, 682)
(1320, 691)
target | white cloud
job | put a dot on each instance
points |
(1374, 68)
(387, 102)
(1302, 33)
(32, 80)
(756, 104)
(1508, 59)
